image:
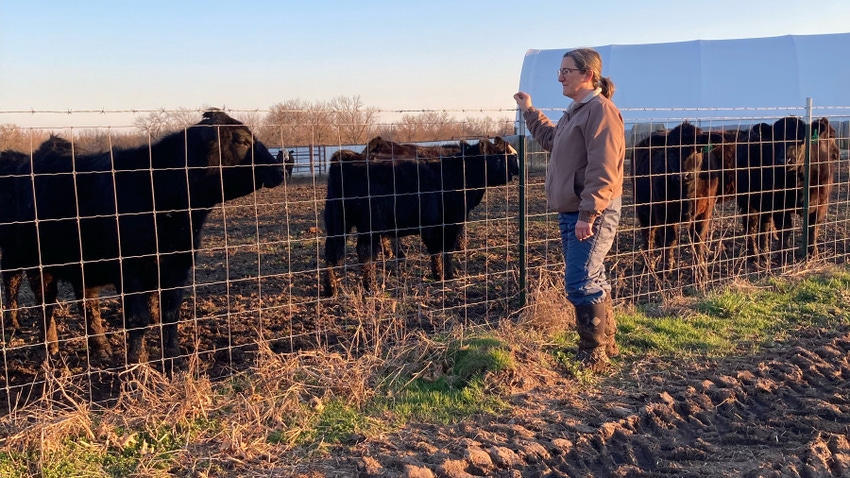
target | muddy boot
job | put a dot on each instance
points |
(610, 328)
(591, 320)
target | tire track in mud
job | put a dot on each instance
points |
(785, 413)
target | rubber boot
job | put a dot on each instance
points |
(591, 320)
(610, 328)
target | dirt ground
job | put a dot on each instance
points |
(781, 412)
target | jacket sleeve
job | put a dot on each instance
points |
(540, 127)
(605, 141)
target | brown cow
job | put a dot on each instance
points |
(677, 181)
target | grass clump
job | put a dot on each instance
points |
(456, 388)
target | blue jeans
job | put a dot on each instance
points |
(584, 275)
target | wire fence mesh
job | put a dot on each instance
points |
(257, 271)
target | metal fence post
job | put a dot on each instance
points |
(523, 217)
(807, 166)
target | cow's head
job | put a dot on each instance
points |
(55, 145)
(502, 160)
(234, 159)
(788, 146)
(825, 149)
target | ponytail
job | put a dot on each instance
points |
(607, 86)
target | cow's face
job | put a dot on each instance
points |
(236, 163)
(825, 149)
(789, 143)
(684, 165)
(502, 161)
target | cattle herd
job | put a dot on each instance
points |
(679, 175)
(133, 218)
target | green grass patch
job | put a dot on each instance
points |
(475, 357)
(441, 401)
(734, 319)
(337, 422)
(460, 392)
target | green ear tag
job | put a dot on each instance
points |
(707, 149)
(815, 135)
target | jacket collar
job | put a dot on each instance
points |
(578, 104)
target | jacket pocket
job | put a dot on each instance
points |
(578, 183)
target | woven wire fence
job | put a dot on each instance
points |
(257, 275)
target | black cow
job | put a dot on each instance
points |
(429, 198)
(15, 179)
(379, 149)
(676, 181)
(17, 183)
(132, 218)
(770, 174)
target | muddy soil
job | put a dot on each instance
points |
(781, 412)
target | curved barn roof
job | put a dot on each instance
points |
(776, 72)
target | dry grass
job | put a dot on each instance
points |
(261, 420)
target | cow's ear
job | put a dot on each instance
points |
(820, 128)
(485, 146)
(499, 143)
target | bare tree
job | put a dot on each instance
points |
(20, 139)
(162, 122)
(91, 140)
(354, 122)
(487, 127)
(426, 126)
(289, 123)
(252, 119)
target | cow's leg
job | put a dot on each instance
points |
(652, 239)
(670, 235)
(757, 230)
(451, 236)
(334, 257)
(699, 231)
(368, 246)
(643, 213)
(137, 319)
(392, 247)
(46, 290)
(98, 343)
(700, 226)
(766, 227)
(783, 221)
(432, 238)
(336, 229)
(168, 309)
(749, 224)
(816, 219)
(12, 285)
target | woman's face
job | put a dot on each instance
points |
(576, 84)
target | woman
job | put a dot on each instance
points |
(584, 184)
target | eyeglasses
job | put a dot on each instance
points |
(566, 71)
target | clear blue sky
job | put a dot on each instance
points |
(396, 55)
